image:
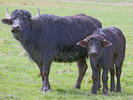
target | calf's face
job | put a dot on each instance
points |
(95, 45)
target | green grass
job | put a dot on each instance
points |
(19, 76)
(116, 1)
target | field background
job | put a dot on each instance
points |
(19, 76)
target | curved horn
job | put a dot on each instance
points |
(37, 15)
(85, 40)
(7, 15)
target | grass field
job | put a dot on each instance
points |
(19, 76)
(117, 1)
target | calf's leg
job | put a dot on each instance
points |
(95, 79)
(82, 67)
(118, 75)
(95, 76)
(99, 80)
(112, 84)
(105, 79)
(118, 64)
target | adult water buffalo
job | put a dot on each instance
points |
(48, 38)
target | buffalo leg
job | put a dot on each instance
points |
(99, 80)
(105, 79)
(112, 84)
(95, 75)
(118, 64)
(118, 74)
(45, 78)
(95, 78)
(82, 67)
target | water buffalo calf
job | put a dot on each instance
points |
(106, 49)
(48, 38)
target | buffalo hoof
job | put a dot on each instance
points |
(112, 90)
(76, 87)
(105, 92)
(93, 92)
(118, 90)
(45, 90)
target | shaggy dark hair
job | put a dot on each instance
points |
(106, 48)
(52, 38)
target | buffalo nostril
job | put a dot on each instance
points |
(15, 27)
(93, 54)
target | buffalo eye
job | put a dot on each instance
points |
(97, 43)
(24, 18)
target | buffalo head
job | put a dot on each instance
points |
(19, 20)
(95, 44)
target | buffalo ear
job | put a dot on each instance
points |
(83, 43)
(7, 21)
(106, 43)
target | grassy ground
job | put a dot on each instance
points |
(19, 76)
(110, 0)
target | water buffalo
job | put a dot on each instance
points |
(106, 49)
(48, 38)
